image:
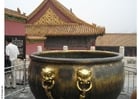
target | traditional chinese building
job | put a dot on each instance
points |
(113, 42)
(50, 25)
(60, 27)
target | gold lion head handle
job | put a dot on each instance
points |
(48, 76)
(48, 80)
(84, 81)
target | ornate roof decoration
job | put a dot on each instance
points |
(117, 39)
(49, 18)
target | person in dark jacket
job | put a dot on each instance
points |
(7, 71)
(7, 63)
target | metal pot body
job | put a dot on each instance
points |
(76, 75)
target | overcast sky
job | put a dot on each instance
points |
(117, 16)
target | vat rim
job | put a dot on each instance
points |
(116, 57)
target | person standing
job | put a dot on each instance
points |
(12, 51)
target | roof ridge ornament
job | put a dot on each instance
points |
(18, 10)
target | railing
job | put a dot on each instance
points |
(130, 83)
(21, 77)
(130, 68)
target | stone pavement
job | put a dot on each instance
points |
(20, 94)
(27, 94)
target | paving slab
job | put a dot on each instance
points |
(27, 94)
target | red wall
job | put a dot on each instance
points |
(14, 28)
(32, 47)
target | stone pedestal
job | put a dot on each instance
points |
(121, 50)
(65, 47)
(92, 47)
(39, 48)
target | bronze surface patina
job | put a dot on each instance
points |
(76, 74)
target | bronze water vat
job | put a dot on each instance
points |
(76, 74)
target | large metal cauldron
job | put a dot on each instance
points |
(76, 75)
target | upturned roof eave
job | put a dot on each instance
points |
(15, 13)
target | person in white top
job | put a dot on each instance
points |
(12, 51)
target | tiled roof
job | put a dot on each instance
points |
(59, 30)
(15, 13)
(117, 39)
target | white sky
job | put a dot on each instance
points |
(118, 16)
